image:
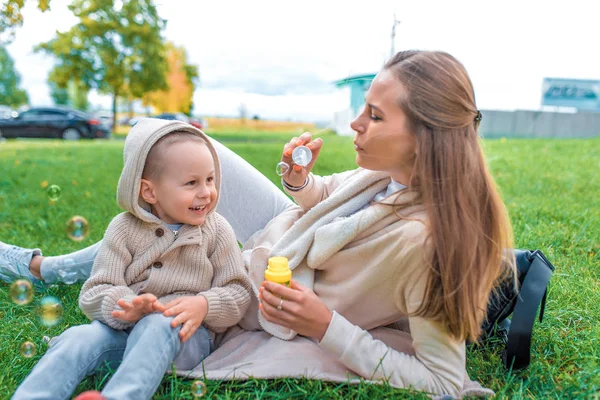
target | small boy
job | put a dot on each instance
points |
(168, 276)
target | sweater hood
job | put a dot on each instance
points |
(139, 141)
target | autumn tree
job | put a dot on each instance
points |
(10, 93)
(116, 47)
(181, 78)
(11, 16)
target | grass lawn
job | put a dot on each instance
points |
(551, 187)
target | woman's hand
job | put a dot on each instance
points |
(301, 310)
(139, 307)
(189, 310)
(296, 175)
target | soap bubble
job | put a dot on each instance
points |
(198, 389)
(77, 228)
(302, 156)
(46, 339)
(53, 192)
(21, 292)
(67, 271)
(50, 311)
(282, 168)
(27, 349)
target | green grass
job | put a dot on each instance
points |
(551, 187)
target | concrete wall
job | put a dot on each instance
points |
(520, 123)
(542, 124)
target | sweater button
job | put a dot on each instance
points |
(159, 232)
(157, 264)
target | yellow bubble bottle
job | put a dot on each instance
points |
(279, 271)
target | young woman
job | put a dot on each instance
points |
(417, 232)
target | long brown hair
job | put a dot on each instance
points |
(469, 230)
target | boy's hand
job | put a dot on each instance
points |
(189, 310)
(138, 308)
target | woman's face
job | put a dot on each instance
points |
(383, 139)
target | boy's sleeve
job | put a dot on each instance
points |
(317, 189)
(106, 285)
(229, 297)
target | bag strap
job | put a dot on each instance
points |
(531, 294)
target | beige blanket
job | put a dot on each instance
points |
(242, 354)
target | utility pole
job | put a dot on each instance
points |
(396, 22)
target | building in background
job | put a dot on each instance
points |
(357, 86)
(582, 95)
(569, 108)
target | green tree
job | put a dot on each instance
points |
(71, 93)
(10, 94)
(60, 96)
(116, 48)
(11, 16)
(78, 95)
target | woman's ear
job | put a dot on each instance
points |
(147, 191)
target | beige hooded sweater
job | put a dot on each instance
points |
(367, 266)
(140, 254)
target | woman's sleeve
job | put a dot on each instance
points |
(438, 365)
(318, 188)
(106, 285)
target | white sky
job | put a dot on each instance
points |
(280, 57)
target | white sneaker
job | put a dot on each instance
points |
(14, 262)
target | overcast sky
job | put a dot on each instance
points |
(279, 58)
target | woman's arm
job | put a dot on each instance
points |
(314, 188)
(318, 188)
(438, 365)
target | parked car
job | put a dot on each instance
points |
(7, 112)
(182, 117)
(129, 121)
(105, 117)
(54, 122)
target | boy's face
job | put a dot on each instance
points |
(185, 190)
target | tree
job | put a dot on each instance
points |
(73, 95)
(11, 16)
(116, 48)
(181, 78)
(10, 94)
(60, 96)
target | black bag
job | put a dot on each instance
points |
(534, 271)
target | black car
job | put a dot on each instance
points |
(53, 122)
